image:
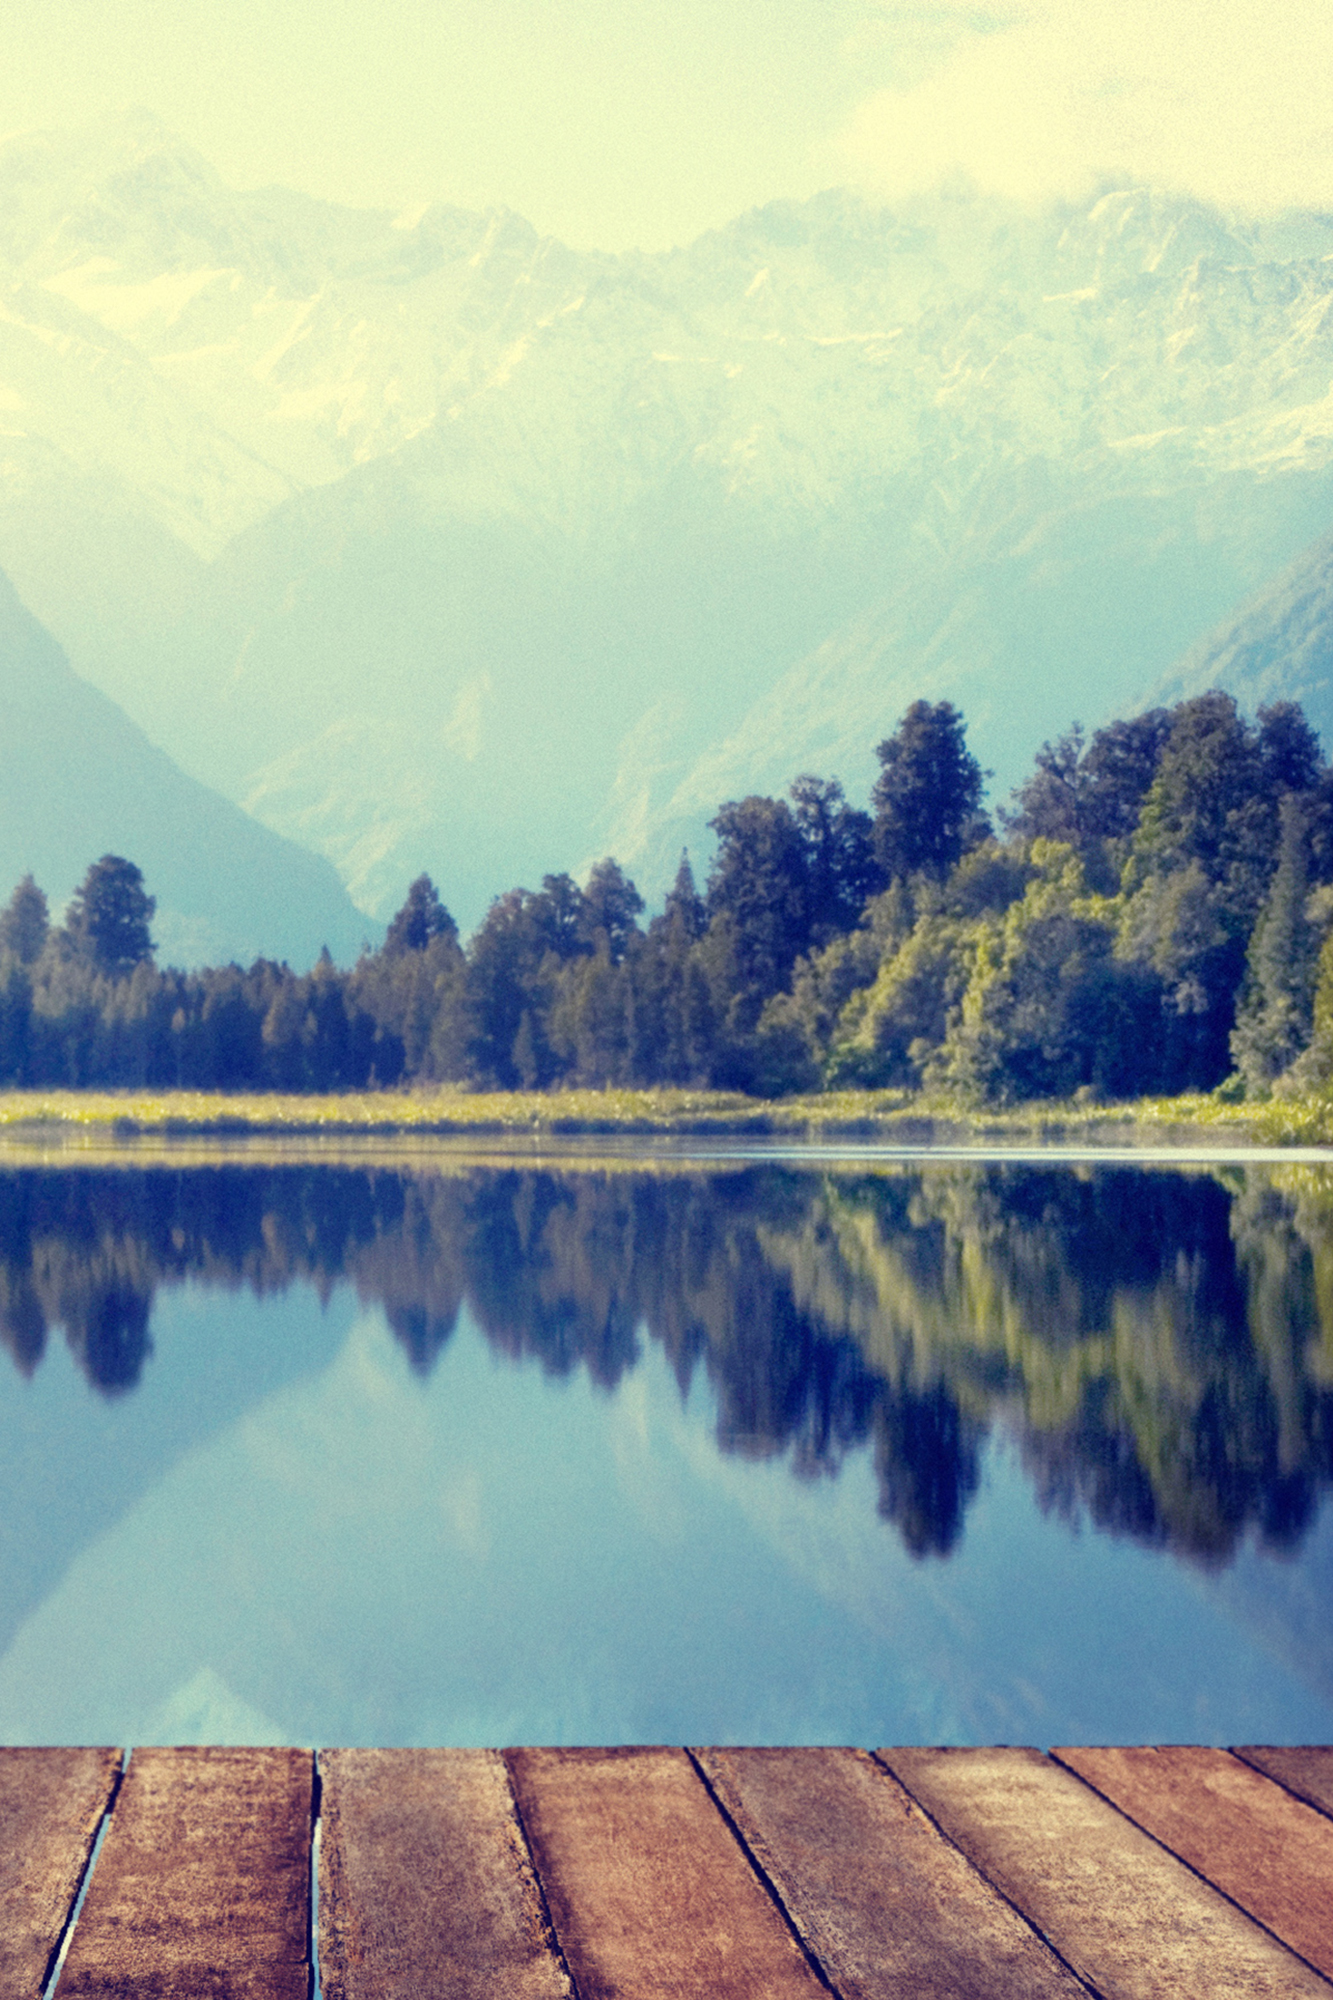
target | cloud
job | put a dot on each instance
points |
(1228, 101)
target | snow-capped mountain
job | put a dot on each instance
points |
(436, 544)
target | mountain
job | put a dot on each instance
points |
(78, 779)
(1277, 646)
(435, 544)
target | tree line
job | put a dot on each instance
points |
(1152, 913)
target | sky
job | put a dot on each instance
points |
(613, 123)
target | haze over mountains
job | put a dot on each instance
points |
(434, 544)
(78, 779)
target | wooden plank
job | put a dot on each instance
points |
(202, 1885)
(1130, 1919)
(51, 1804)
(425, 1885)
(1307, 1772)
(1266, 1850)
(884, 1904)
(650, 1893)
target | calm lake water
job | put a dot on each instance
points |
(700, 1449)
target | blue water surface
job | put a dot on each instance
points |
(285, 1521)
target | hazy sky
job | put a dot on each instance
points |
(612, 122)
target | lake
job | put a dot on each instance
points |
(693, 1443)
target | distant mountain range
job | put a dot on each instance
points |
(434, 544)
(78, 780)
(1278, 646)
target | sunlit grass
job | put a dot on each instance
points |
(883, 1114)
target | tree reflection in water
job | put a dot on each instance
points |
(1158, 1343)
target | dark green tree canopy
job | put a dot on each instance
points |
(109, 917)
(1289, 750)
(1084, 792)
(24, 923)
(611, 907)
(927, 797)
(758, 888)
(683, 912)
(421, 920)
(840, 866)
(1118, 773)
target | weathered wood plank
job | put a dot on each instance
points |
(1266, 1850)
(651, 1895)
(202, 1886)
(1307, 1772)
(51, 1804)
(1130, 1919)
(425, 1884)
(884, 1904)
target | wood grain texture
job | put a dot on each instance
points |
(425, 1885)
(1266, 1850)
(51, 1804)
(1131, 1920)
(884, 1904)
(1307, 1772)
(202, 1885)
(651, 1895)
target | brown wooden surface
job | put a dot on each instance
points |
(650, 1893)
(774, 1875)
(425, 1885)
(884, 1904)
(1130, 1919)
(1308, 1773)
(1265, 1849)
(51, 1804)
(202, 1886)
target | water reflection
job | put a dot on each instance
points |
(1158, 1345)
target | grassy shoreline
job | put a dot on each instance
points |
(887, 1116)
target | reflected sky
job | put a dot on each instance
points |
(523, 1457)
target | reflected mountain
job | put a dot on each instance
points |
(1157, 1344)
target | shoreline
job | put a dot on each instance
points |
(897, 1119)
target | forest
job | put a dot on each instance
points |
(1152, 913)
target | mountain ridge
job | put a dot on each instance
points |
(477, 554)
(79, 780)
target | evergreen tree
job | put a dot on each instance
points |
(1084, 793)
(611, 905)
(1289, 751)
(684, 908)
(108, 919)
(24, 923)
(1117, 772)
(1048, 806)
(1209, 804)
(758, 905)
(927, 797)
(422, 919)
(841, 871)
(1276, 1012)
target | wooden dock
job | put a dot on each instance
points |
(656, 1874)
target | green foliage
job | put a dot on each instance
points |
(1153, 912)
(422, 919)
(927, 797)
(108, 920)
(24, 923)
(1275, 1018)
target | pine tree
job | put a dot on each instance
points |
(422, 919)
(109, 917)
(24, 923)
(1276, 1012)
(927, 797)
